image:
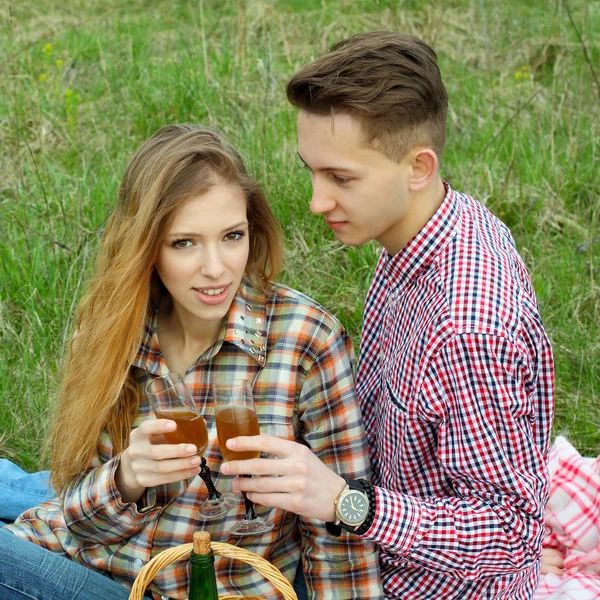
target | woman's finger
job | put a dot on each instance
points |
(154, 479)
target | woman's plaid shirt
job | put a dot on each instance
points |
(300, 361)
(456, 385)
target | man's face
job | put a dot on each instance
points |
(362, 194)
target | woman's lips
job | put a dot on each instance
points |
(212, 298)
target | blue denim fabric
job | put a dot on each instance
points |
(29, 572)
(300, 583)
(20, 490)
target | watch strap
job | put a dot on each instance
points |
(366, 524)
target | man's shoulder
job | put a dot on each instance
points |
(481, 273)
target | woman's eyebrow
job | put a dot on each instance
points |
(196, 234)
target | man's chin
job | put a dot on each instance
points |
(348, 239)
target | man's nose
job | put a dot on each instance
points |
(322, 201)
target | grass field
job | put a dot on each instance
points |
(83, 85)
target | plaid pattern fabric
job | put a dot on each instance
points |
(455, 382)
(300, 362)
(573, 525)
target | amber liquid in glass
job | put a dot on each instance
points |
(231, 422)
(191, 428)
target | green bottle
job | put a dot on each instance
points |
(203, 581)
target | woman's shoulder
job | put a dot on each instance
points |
(290, 305)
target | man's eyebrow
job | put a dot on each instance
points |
(324, 169)
(190, 234)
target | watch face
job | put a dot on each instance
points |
(353, 508)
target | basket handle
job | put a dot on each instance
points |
(166, 557)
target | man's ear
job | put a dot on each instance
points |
(424, 168)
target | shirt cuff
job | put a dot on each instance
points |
(397, 522)
(93, 507)
(146, 502)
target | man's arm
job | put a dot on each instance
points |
(488, 447)
(493, 522)
(333, 441)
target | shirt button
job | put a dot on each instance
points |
(138, 562)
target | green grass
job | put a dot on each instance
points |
(522, 137)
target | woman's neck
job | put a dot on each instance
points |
(183, 338)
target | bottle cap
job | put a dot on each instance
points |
(201, 542)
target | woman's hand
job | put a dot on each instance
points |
(552, 562)
(304, 485)
(148, 461)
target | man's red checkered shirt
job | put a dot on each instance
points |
(456, 385)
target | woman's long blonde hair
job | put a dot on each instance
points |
(98, 392)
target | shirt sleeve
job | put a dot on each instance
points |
(92, 504)
(491, 521)
(345, 567)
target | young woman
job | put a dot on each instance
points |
(184, 284)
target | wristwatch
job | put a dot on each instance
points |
(354, 508)
(351, 506)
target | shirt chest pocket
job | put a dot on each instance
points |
(278, 425)
(410, 440)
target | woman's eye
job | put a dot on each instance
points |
(182, 244)
(234, 236)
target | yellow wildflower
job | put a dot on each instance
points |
(42, 77)
(48, 48)
(519, 75)
(59, 63)
(68, 93)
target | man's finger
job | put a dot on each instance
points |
(262, 443)
(275, 500)
(287, 484)
(255, 466)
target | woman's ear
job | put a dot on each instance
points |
(424, 163)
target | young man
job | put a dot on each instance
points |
(455, 374)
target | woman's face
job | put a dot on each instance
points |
(203, 256)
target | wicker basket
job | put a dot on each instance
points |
(165, 558)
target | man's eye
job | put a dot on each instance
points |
(341, 179)
(182, 243)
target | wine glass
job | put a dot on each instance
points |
(235, 415)
(171, 399)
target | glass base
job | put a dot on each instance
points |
(211, 509)
(256, 526)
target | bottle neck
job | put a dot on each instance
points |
(203, 581)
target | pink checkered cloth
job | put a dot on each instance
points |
(573, 525)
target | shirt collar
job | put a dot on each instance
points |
(421, 250)
(246, 323)
(245, 326)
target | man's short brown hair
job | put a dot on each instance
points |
(390, 81)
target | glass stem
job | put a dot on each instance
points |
(213, 493)
(250, 514)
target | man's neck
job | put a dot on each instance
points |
(422, 206)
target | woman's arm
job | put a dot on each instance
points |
(115, 498)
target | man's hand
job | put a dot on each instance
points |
(148, 461)
(552, 562)
(304, 485)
